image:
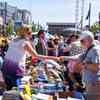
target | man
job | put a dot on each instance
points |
(41, 46)
(90, 61)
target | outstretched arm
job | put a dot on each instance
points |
(28, 47)
(66, 58)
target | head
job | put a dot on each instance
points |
(86, 39)
(73, 37)
(41, 34)
(97, 37)
(25, 32)
(56, 40)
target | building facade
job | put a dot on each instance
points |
(58, 28)
(8, 12)
(24, 16)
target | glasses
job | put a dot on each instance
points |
(83, 41)
(29, 33)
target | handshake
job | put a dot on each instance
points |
(59, 59)
(66, 58)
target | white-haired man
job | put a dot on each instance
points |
(89, 61)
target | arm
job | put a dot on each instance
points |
(50, 49)
(66, 49)
(66, 58)
(28, 47)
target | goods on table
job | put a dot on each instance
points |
(11, 95)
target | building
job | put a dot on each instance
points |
(24, 16)
(58, 28)
(8, 12)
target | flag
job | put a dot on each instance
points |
(89, 12)
(99, 17)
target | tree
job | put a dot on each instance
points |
(36, 27)
(95, 28)
(33, 27)
(10, 27)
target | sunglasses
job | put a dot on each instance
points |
(29, 33)
(82, 41)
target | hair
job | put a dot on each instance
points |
(40, 32)
(74, 35)
(90, 38)
(23, 30)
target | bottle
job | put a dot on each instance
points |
(18, 82)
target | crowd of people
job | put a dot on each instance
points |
(80, 53)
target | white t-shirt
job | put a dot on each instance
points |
(16, 52)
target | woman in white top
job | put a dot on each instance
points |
(15, 58)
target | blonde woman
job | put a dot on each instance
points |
(14, 61)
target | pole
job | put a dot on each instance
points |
(5, 16)
(82, 14)
(5, 12)
(89, 23)
(77, 14)
(99, 18)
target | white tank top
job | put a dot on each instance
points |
(16, 52)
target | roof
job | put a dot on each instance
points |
(59, 23)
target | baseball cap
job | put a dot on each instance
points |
(85, 34)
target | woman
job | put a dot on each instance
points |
(15, 58)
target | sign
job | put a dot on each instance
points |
(17, 24)
(1, 21)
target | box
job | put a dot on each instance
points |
(41, 96)
(65, 94)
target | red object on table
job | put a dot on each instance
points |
(34, 59)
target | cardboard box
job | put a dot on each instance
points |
(65, 94)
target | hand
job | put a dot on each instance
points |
(61, 58)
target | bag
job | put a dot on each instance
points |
(78, 68)
(93, 67)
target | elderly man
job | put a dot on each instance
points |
(89, 62)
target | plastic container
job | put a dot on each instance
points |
(20, 87)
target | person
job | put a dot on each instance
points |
(41, 46)
(51, 48)
(15, 58)
(90, 62)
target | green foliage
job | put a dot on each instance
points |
(95, 28)
(36, 27)
(10, 27)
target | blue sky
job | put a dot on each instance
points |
(56, 10)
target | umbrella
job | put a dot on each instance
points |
(72, 30)
(34, 33)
